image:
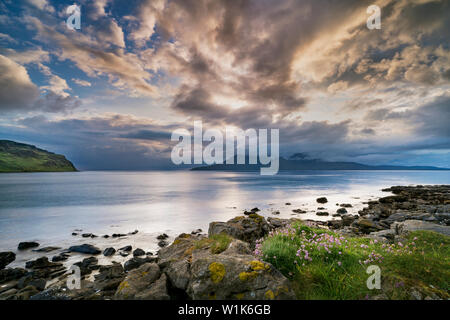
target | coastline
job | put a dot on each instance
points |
(386, 219)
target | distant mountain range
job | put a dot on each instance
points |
(21, 157)
(298, 162)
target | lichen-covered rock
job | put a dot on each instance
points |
(247, 229)
(137, 281)
(231, 274)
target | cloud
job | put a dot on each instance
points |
(17, 92)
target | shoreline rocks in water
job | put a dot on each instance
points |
(193, 268)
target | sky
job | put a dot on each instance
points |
(108, 96)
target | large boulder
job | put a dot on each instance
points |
(192, 268)
(6, 258)
(415, 225)
(248, 229)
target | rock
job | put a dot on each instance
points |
(231, 274)
(322, 200)
(346, 205)
(60, 257)
(136, 262)
(137, 281)
(27, 245)
(134, 232)
(247, 229)
(11, 274)
(85, 248)
(41, 263)
(388, 234)
(198, 231)
(6, 258)
(138, 252)
(126, 248)
(414, 225)
(74, 233)
(276, 212)
(87, 235)
(322, 213)
(254, 210)
(28, 280)
(46, 249)
(287, 203)
(106, 236)
(26, 293)
(162, 236)
(367, 225)
(300, 211)
(118, 235)
(109, 251)
(156, 291)
(87, 265)
(109, 277)
(334, 224)
(163, 243)
(348, 219)
(341, 211)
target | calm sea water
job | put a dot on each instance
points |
(48, 207)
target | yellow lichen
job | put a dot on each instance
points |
(217, 271)
(258, 265)
(239, 296)
(269, 295)
(244, 276)
(123, 285)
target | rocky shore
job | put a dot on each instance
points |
(219, 265)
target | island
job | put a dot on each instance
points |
(21, 157)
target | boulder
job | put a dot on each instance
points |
(138, 252)
(322, 213)
(27, 245)
(6, 258)
(341, 211)
(231, 274)
(414, 225)
(137, 281)
(136, 262)
(85, 248)
(348, 219)
(247, 229)
(126, 248)
(109, 251)
(322, 200)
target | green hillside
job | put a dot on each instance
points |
(20, 157)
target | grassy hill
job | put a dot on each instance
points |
(20, 157)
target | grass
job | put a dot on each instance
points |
(325, 265)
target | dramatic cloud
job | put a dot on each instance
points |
(311, 68)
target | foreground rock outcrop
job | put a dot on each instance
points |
(235, 273)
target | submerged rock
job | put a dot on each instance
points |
(322, 200)
(85, 248)
(27, 245)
